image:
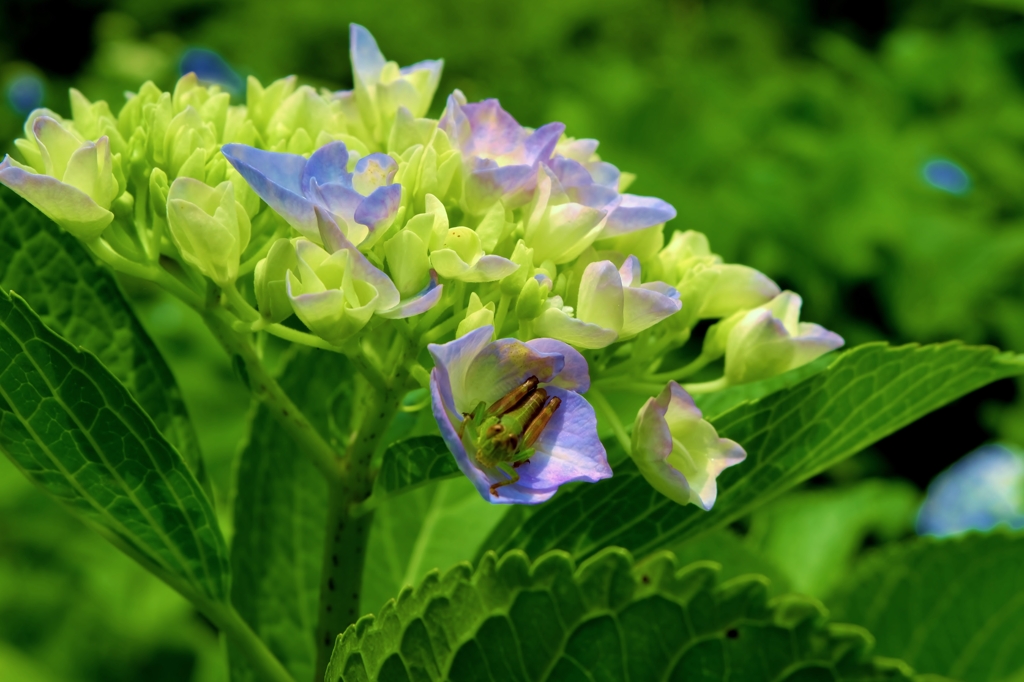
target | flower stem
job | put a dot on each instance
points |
(266, 389)
(348, 527)
(707, 386)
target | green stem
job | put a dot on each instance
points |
(348, 526)
(266, 389)
(608, 412)
(264, 663)
(688, 370)
(238, 302)
(707, 386)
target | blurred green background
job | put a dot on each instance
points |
(795, 133)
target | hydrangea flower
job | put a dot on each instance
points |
(501, 157)
(709, 288)
(209, 227)
(678, 451)
(768, 340)
(473, 370)
(613, 305)
(584, 179)
(382, 88)
(75, 181)
(363, 203)
(983, 489)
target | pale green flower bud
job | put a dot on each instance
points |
(560, 232)
(477, 315)
(533, 298)
(75, 182)
(678, 451)
(262, 103)
(767, 340)
(522, 256)
(208, 226)
(463, 258)
(270, 280)
(406, 255)
(93, 120)
(709, 288)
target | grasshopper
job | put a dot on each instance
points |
(503, 434)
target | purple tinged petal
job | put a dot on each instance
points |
(276, 178)
(68, 206)
(367, 59)
(494, 131)
(447, 422)
(569, 172)
(338, 200)
(605, 174)
(372, 171)
(812, 342)
(503, 365)
(629, 271)
(568, 449)
(456, 125)
(418, 304)
(380, 207)
(635, 213)
(541, 143)
(644, 308)
(453, 359)
(579, 150)
(575, 375)
(329, 164)
(362, 269)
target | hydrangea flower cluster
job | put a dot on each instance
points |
(511, 259)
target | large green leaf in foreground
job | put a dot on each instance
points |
(864, 395)
(77, 432)
(82, 302)
(280, 510)
(508, 621)
(950, 607)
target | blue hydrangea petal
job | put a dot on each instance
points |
(380, 207)
(568, 449)
(327, 165)
(575, 375)
(367, 60)
(276, 178)
(453, 360)
(502, 366)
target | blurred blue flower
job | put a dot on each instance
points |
(210, 67)
(25, 93)
(945, 175)
(983, 489)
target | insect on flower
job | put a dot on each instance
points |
(513, 416)
(503, 434)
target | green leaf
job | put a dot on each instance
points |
(865, 394)
(812, 536)
(75, 431)
(280, 512)
(949, 607)
(434, 526)
(82, 302)
(719, 402)
(412, 462)
(608, 620)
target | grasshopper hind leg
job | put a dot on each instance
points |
(512, 474)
